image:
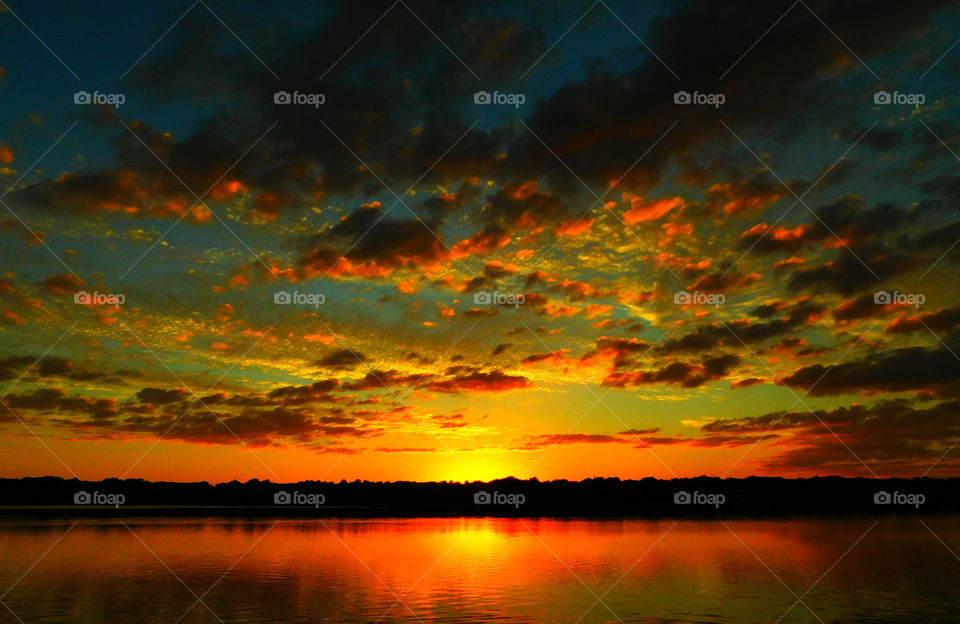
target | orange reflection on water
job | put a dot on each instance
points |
(472, 569)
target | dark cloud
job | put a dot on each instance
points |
(494, 381)
(896, 370)
(157, 396)
(865, 268)
(385, 379)
(892, 436)
(629, 110)
(315, 392)
(862, 307)
(845, 219)
(56, 401)
(683, 374)
(705, 337)
(720, 282)
(554, 357)
(944, 320)
(343, 359)
(15, 366)
(522, 203)
(64, 283)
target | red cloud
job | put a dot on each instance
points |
(495, 381)
(641, 211)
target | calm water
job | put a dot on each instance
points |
(479, 570)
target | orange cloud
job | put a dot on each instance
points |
(484, 241)
(408, 287)
(673, 231)
(574, 228)
(641, 211)
(788, 262)
(741, 198)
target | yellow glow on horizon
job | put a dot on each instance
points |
(467, 467)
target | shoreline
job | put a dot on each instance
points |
(602, 498)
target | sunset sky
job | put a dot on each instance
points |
(479, 289)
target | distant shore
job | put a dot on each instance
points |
(703, 497)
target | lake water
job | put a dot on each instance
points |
(480, 570)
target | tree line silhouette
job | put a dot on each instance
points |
(596, 497)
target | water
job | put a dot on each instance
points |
(480, 570)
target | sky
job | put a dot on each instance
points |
(451, 241)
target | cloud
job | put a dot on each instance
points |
(157, 396)
(943, 320)
(723, 282)
(862, 307)
(893, 436)
(683, 374)
(374, 244)
(849, 273)
(554, 357)
(746, 331)
(54, 400)
(342, 359)
(318, 391)
(64, 284)
(493, 381)
(896, 370)
(521, 204)
(642, 211)
(13, 366)
(385, 379)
